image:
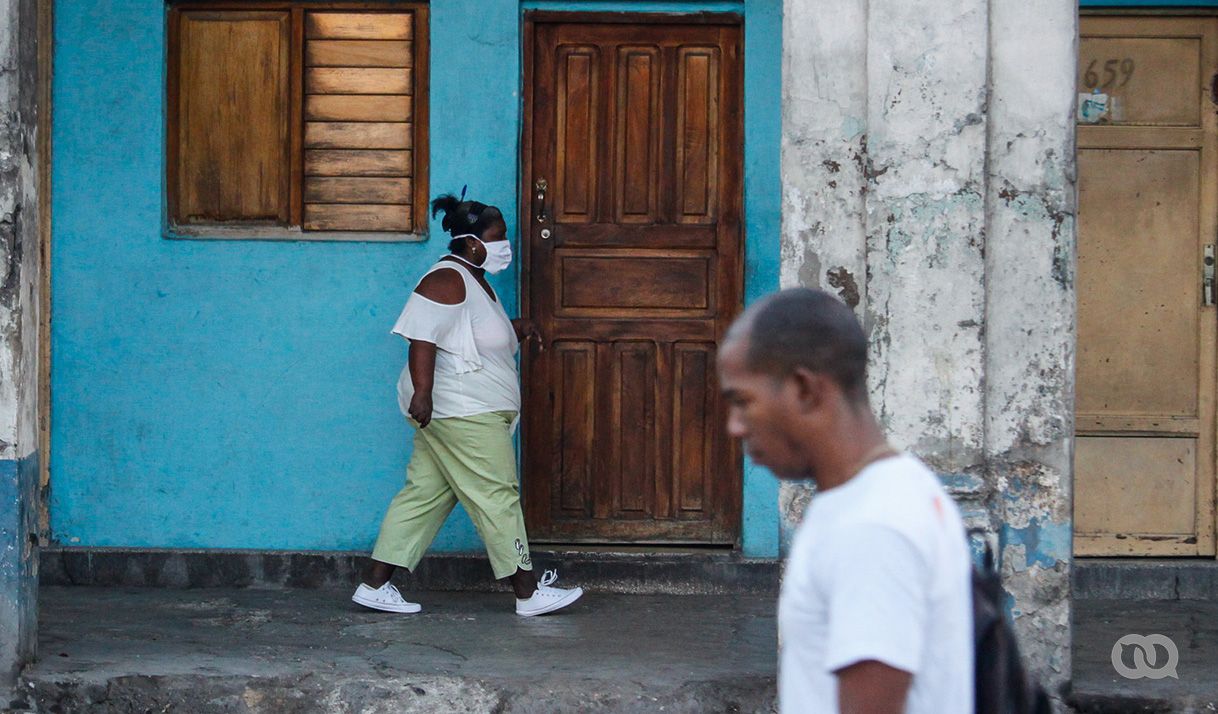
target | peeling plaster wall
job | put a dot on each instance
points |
(824, 111)
(1030, 315)
(928, 181)
(19, 300)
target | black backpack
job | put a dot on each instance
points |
(1001, 685)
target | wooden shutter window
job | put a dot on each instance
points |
(359, 125)
(297, 115)
(233, 147)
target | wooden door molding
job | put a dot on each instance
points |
(638, 278)
(1148, 206)
(541, 17)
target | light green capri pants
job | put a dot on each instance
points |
(466, 459)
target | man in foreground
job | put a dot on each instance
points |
(875, 613)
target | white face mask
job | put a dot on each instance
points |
(498, 254)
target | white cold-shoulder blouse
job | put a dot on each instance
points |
(475, 351)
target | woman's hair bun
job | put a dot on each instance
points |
(448, 204)
(464, 217)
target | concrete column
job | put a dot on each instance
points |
(824, 117)
(1030, 324)
(19, 319)
(925, 173)
(928, 181)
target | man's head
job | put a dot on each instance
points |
(792, 367)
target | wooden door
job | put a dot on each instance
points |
(1144, 464)
(633, 249)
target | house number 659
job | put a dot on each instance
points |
(1112, 71)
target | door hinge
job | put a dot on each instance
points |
(1207, 277)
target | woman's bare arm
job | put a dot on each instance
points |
(447, 288)
(422, 376)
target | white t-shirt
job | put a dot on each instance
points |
(475, 351)
(879, 570)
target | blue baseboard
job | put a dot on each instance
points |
(18, 564)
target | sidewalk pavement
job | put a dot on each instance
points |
(1191, 624)
(305, 651)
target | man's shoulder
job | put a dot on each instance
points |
(905, 495)
(896, 480)
(902, 466)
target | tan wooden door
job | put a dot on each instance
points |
(1144, 464)
(632, 183)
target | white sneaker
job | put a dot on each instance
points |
(386, 598)
(547, 599)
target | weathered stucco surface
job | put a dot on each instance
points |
(19, 300)
(824, 110)
(928, 181)
(1030, 323)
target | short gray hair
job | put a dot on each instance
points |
(805, 328)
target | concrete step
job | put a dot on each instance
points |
(312, 651)
(1145, 579)
(1098, 687)
(637, 571)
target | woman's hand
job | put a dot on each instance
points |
(420, 408)
(526, 330)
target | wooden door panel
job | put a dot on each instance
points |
(575, 429)
(697, 125)
(1154, 79)
(1135, 258)
(1148, 199)
(1129, 521)
(633, 420)
(576, 188)
(633, 273)
(637, 167)
(693, 405)
(594, 283)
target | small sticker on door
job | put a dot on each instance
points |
(1092, 108)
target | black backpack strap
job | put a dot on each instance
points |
(1001, 684)
(988, 559)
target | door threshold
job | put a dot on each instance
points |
(1193, 578)
(631, 549)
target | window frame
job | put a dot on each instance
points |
(294, 231)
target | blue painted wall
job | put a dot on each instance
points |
(763, 219)
(18, 565)
(240, 394)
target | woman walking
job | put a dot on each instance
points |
(461, 391)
